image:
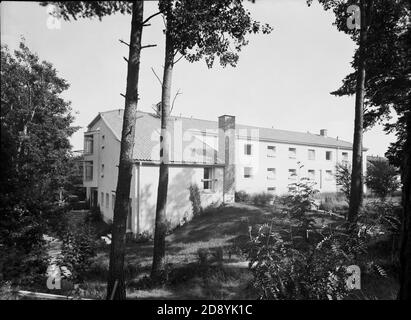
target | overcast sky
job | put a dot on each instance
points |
(283, 80)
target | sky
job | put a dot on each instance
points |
(283, 80)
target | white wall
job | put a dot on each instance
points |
(178, 203)
(260, 161)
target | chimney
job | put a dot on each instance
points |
(226, 151)
(323, 132)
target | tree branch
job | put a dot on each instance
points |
(152, 16)
(172, 105)
(125, 59)
(174, 62)
(123, 95)
(148, 46)
(152, 69)
(124, 42)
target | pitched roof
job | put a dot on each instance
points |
(148, 131)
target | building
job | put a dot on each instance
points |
(221, 157)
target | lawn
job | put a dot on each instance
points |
(205, 260)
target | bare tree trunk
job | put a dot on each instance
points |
(356, 194)
(117, 251)
(405, 248)
(161, 212)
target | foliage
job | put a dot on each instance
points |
(300, 198)
(262, 199)
(95, 215)
(195, 199)
(343, 179)
(241, 196)
(211, 29)
(144, 237)
(78, 249)
(89, 9)
(383, 214)
(382, 178)
(332, 204)
(35, 128)
(282, 272)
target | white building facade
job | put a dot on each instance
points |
(220, 157)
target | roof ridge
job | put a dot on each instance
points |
(239, 124)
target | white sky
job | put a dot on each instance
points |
(283, 80)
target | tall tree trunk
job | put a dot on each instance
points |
(161, 212)
(356, 194)
(117, 251)
(405, 248)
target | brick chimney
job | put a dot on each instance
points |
(323, 132)
(226, 151)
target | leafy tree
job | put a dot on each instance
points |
(35, 127)
(83, 9)
(382, 178)
(195, 29)
(388, 93)
(359, 32)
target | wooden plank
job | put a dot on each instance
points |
(47, 296)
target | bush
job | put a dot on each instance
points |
(343, 179)
(78, 249)
(382, 178)
(95, 215)
(300, 199)
(144, 237)
(195, 199)
(241, 196)
(262, 199)
(332, 204)
(282, 272)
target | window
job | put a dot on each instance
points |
(311, 174)
(248, 172)
(292, 174)
(311, 154)
(88, 170)
(328, 155)
(88, 144)
(271, 173)
(328, 175)
(271, 151)
(208, 179)
(345, 158)
(102, 141)
(102, 199)
(271, 189)
(247, 149)
(292, 153)
(113, 201)
(107, 201)
(102, 170)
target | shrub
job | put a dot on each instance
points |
(78, 249)
(282, 272)
(262, 199)
(195, 199)
(343, 179)
(143, 237)
(95, 215)
(332, 204)
(241, 196)
(300, 199)
(382, 178)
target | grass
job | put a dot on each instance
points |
(204, 259)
